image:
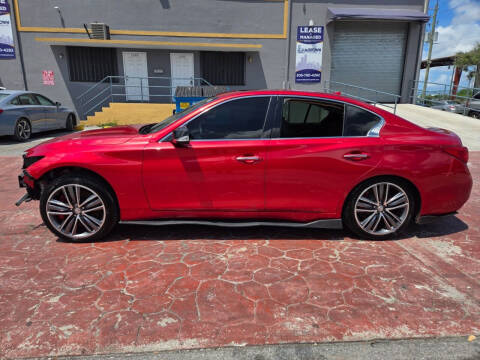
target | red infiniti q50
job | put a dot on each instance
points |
(278, 158)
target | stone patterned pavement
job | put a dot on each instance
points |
(179, 287)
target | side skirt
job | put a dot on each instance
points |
(318, 224)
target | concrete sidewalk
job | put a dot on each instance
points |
(466, 127)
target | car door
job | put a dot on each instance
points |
(51, 115)
(33, 110)
(221, 169)
(314, 157)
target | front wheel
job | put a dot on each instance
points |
(70, 123)
(78, 208)
(378, 209)
(475, 115)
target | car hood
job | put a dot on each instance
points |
(98, 137)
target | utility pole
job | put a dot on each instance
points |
(431, 38)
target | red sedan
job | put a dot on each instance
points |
(278, 158)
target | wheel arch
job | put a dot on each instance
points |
(56, 172)
(410, 184)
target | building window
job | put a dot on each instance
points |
(223, 68)
(91, 64)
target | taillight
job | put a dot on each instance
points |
(461, 152)
(452, 107)
(1, 110)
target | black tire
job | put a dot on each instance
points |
(88, 185)
(23, 130)
(474, 114)
(353, 219)
(70, 123)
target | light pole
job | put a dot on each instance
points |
(431, 39)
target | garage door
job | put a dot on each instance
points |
(369, 54)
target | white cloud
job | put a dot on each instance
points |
(462, 33)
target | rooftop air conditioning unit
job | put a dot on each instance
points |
(100, 31)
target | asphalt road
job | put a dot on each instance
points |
(420, 349)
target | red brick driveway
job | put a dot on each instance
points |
(191, 286)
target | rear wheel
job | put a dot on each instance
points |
(474, 114)
(78, 208)
(23, 130)
(379, 208)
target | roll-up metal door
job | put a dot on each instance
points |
(369, 54)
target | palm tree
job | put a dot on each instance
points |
(465, 59)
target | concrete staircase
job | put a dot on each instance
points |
(130, 113)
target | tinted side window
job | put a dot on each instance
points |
(306, 118)
(358, 122)
(236, 119)
(27, 99)
(44, 101)
(15, 101)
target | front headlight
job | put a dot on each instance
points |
(27, 161)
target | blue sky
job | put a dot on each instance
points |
(458, 26)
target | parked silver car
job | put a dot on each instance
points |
(474, 106)
(23, 113)
(448, 105)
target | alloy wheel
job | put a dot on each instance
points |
(23, 129)
(76, 211)
(382, 208)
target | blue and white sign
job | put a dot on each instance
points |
(308, 65)
(7, 47)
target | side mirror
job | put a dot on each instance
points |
(58, 104)
(181, 137)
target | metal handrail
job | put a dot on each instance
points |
(92, 88)
(375, 101)
(93, 98)
(445, 90)
(112, 82)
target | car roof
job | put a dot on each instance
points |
(6, 91)
(15, 92)
(281, 92)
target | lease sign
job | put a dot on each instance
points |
(48, 77)
(308, 64)
(7, 48)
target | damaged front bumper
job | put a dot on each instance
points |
(25, 180)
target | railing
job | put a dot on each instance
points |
(437, 93)
(371, 96)
(132, 88)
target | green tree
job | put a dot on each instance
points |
(465, 59)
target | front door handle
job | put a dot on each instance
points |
(356, 156)
(248, 159)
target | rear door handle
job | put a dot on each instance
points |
(356, 156)
(248, 159)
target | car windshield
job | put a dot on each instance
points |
(171, 119)
(451, 102)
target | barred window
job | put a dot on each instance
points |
(223, 68)
(91, 64)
